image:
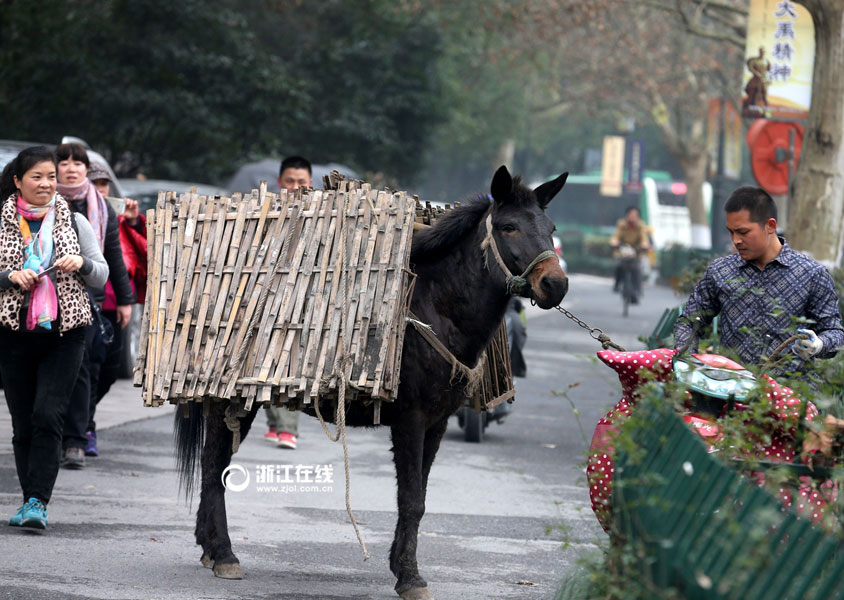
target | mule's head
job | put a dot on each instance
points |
(522, 232)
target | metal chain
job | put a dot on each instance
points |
(594, 332)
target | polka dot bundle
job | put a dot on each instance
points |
(633, 369)
(629, 366)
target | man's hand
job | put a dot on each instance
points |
(807, 347)
(24, 279)
(124, 315)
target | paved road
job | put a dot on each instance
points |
(505, 519)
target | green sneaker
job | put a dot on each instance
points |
(16, 519)
(34, 514)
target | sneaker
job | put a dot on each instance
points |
(91, 448)
(271, 436)
(286, 440)
(34, 514)
(73, 458)
(16, 519)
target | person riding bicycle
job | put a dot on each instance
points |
(633, 232)
(760, 289)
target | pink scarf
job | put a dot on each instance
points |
(38, 254)
(97, 210)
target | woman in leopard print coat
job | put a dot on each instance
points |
(47, 257)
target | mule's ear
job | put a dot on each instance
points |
(546, 192)
(502, 184)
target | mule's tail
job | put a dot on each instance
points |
(189, 432)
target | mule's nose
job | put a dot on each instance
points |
(554, 290)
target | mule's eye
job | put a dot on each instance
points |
(508, 228)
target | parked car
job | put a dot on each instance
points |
(558, 248)
(145, 191)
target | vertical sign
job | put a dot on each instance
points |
(634, 163)
(732, 139)
(780, 55)
(612, 165)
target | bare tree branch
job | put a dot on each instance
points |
(693, 26)
(722, 6)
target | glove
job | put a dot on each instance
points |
(807, 347)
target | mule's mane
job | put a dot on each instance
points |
(434, 243)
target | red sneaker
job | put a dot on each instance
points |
(271, 436)
(286, 440)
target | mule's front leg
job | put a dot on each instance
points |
(408, 448)
(216, 456)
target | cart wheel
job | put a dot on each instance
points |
(474, 431)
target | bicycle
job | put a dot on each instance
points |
(628, 260)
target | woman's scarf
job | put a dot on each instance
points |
(96, 205)
(37, 255)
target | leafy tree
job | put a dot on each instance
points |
(176, 89)
(369, 75)
(194, 88)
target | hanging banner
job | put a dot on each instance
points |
(612, 165)
(634, 163)
(733, 135)
(779, 58)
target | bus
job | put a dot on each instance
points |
(662, 204)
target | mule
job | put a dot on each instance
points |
(462, 291)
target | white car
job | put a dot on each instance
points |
(558, 248)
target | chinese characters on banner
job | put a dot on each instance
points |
(780, 56)
(612, 166)
(634, 163)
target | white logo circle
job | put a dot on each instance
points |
(227, 478)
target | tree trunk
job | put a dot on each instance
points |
(689, 148)
(815, 218)
(694, 172)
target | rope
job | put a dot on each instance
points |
(516, 284)
(772, 359)
(232, 421)
(472, 376)
(342, 360)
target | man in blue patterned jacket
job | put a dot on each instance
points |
(761, 288)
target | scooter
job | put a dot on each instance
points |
(473, 423)
(716, 385)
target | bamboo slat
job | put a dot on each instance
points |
(245, 297)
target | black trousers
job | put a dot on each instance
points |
(79, 405)
(105, 374)
(39, 370)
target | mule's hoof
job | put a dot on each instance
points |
(207, 561)
(417, 593)
(228, 571)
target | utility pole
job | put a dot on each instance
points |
(720, 239)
